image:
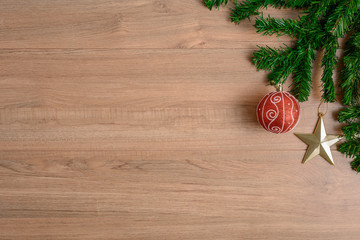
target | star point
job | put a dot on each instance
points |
(319, 142)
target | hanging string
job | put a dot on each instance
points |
(321, 114)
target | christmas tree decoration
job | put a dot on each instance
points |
(319, 142)
(318, 29)
(278, 112)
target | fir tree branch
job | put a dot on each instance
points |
(249, 8)
(281, 73)
(302, 80)
(350, 114)
(352, 130)
(329, 63)
(355, 164)
(269, 58)
(279, 61)
(299, 4)
(356, 39)
(269, 26)
(210, 3)
(342, 18)
(350, 76)
(351, 148)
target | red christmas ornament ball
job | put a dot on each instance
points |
(278, 112)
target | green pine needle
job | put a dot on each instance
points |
(248, 8)
(269, 26)
(302, 73)
(351, 148)
(211, 3)
(351, 131)
(355, 164)
(341, 20)
(350, 114)
(329, 64)
(269, 58)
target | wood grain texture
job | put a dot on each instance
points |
(136, 120)
(121, 24)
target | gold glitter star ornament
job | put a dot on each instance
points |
(319, 142)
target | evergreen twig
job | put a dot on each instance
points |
(329, 63)
(211, 3)
(269, 26)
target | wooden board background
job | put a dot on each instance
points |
(136, 120)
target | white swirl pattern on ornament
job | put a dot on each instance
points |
(276, 118)
(292, 115)
(271, 114)
(262, 112)
(276, 99)
(273, 99)
(276, 129)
